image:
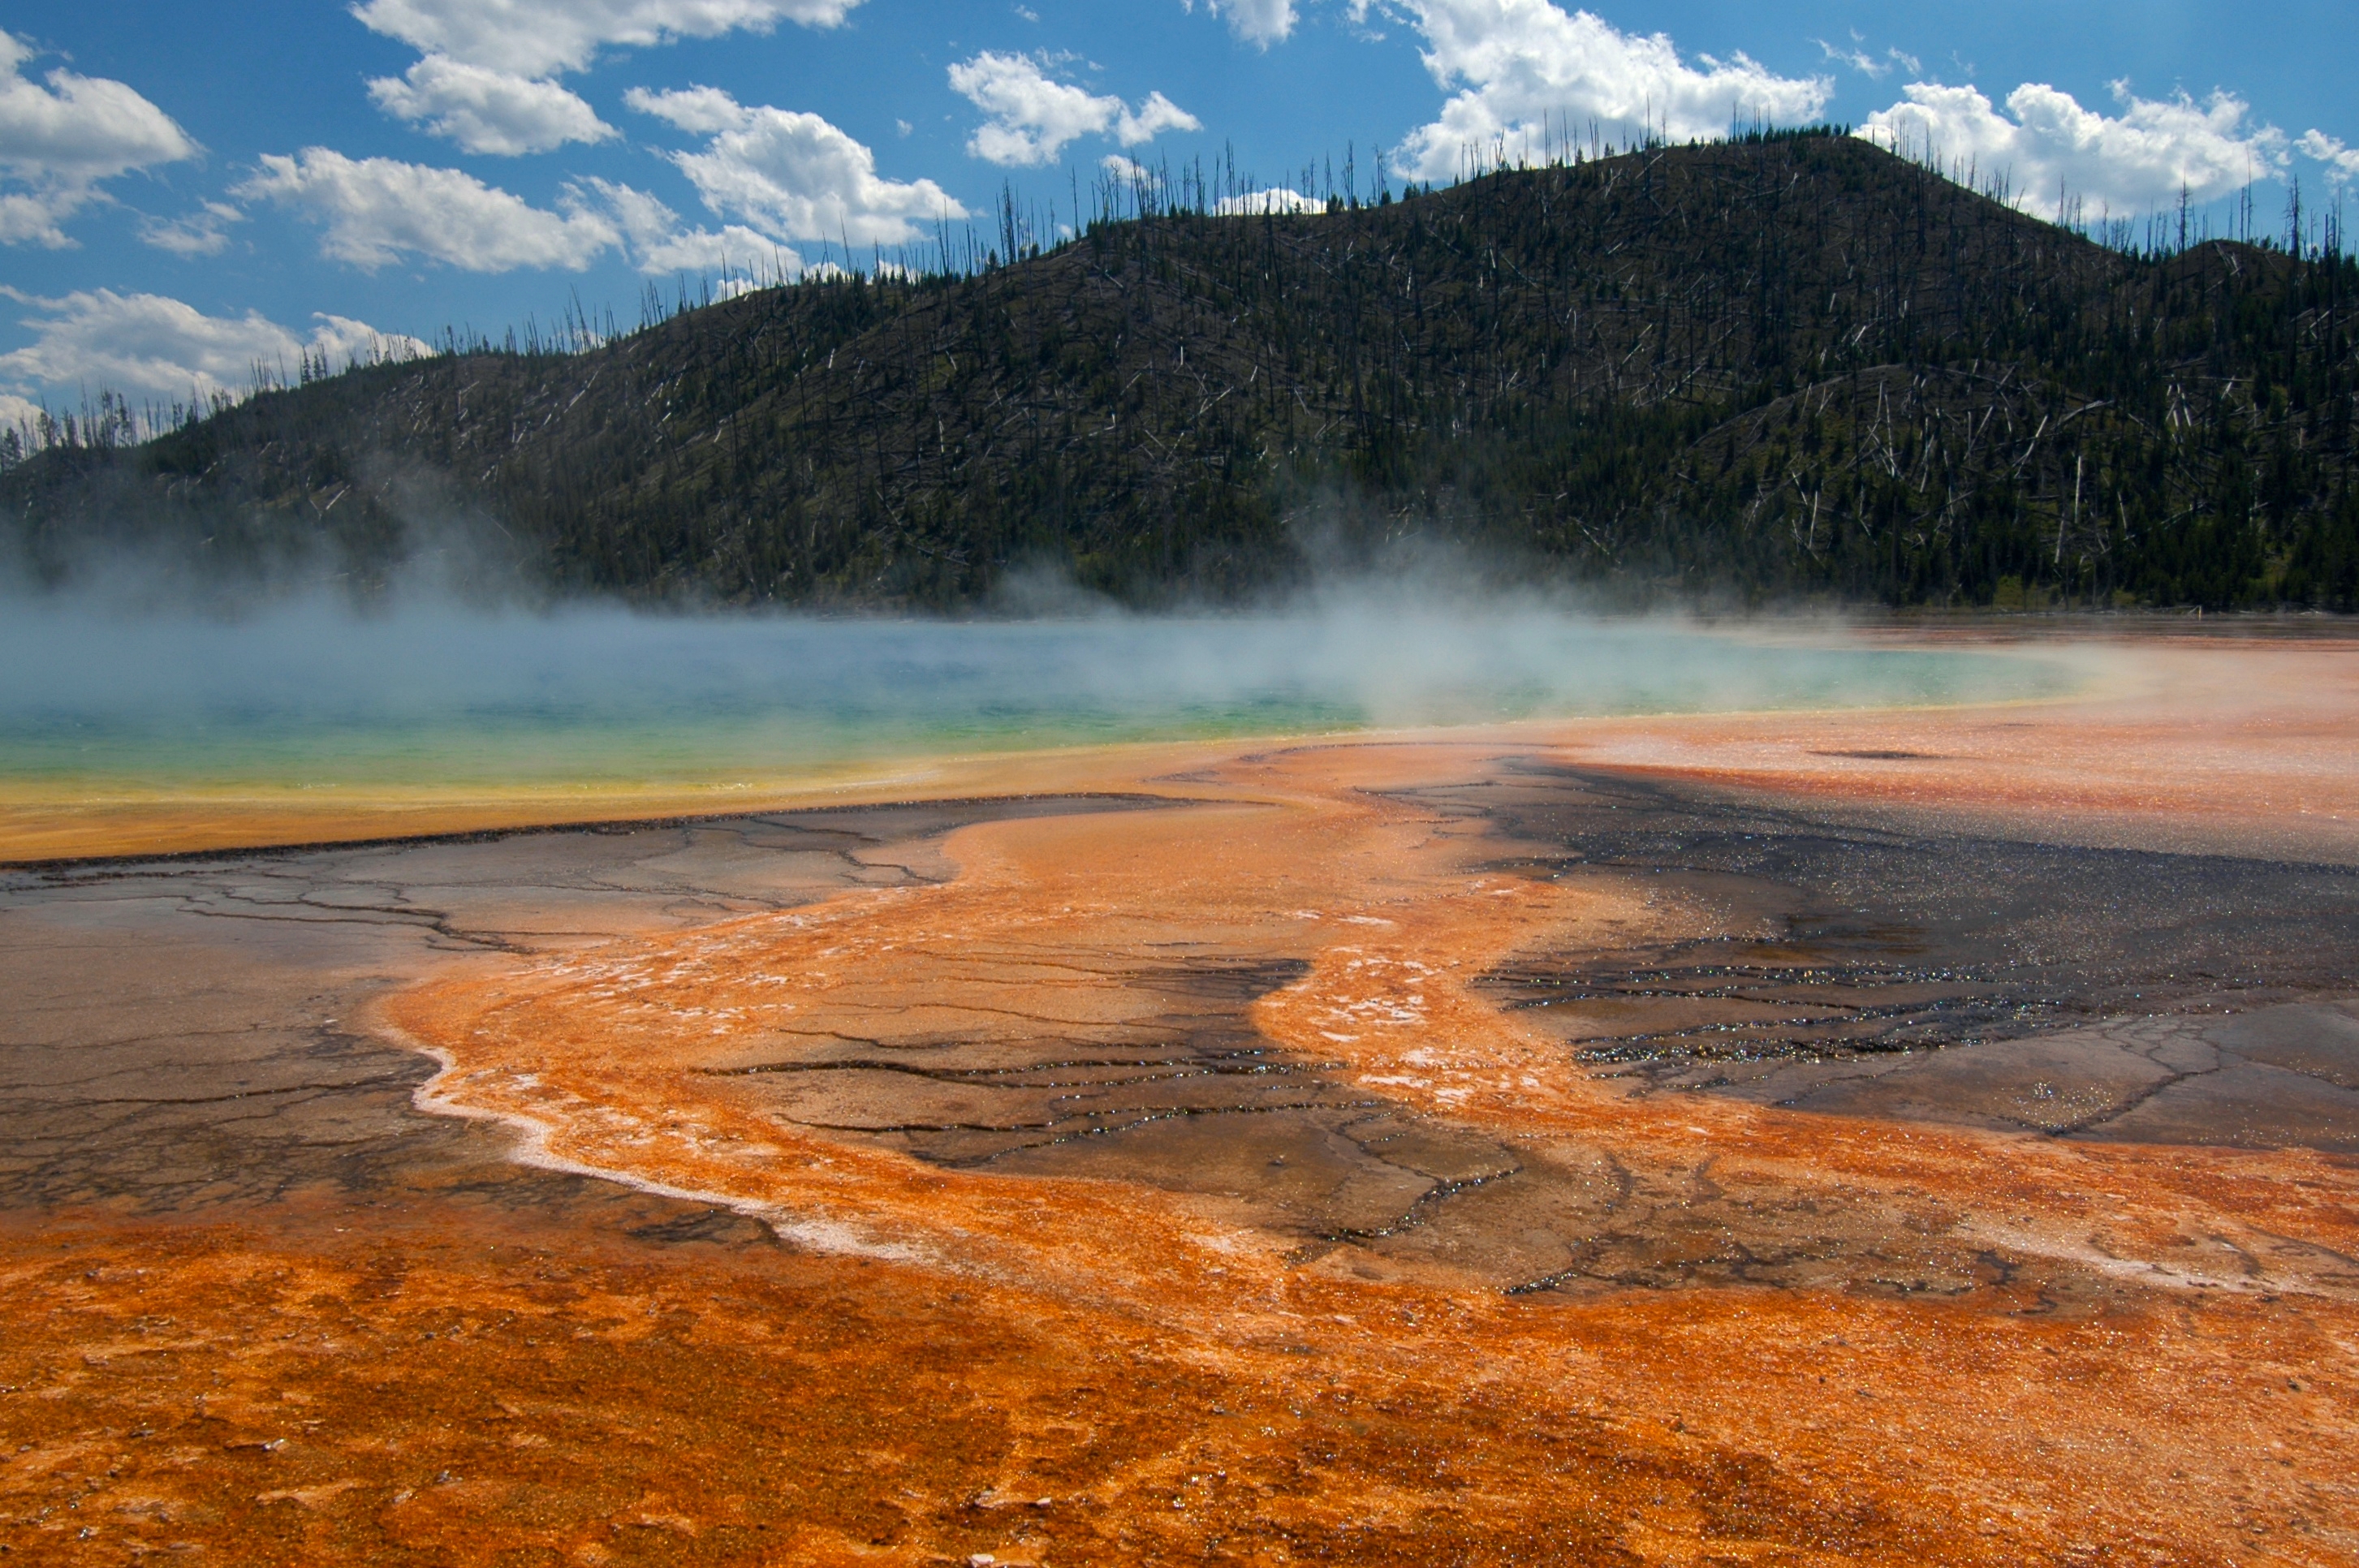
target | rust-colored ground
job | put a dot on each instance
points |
(2241, 744)
(1984, 1346)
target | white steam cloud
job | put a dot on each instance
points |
(430, 693)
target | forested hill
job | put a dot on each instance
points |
(1792, 366)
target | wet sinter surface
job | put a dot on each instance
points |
(1450, 1151)
(1847, 955)
(186, 1032)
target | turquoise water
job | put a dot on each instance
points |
(312, 697)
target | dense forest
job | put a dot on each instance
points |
(1784, 366)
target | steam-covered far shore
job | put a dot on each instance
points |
(309, 693)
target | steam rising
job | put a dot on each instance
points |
(307, 694)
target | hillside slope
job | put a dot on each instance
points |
(1788, 365)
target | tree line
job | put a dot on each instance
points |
(1788, 365)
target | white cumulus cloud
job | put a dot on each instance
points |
(18, 413)
(1034, 117)
(2048, 150)
(58, 140)
(2341, 162)
(1277, 199)
(149, 344)
(1856, 57)
(78, 127)
(488, 81)
(1263, 22)
(40, 215)
(203, 232)
(541, 38)
(488, 110)
(659, 245)
(1527, 71)
(1151, 119)
(375, 211)
(704, 110)
(792, 176)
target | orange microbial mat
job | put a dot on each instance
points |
(1914, 1137)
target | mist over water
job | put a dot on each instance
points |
(309, 695)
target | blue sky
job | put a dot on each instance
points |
(187, 190)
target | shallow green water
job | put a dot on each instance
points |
(312, 698)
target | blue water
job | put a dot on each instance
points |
(603, 697)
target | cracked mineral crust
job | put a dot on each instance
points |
(1914, 1137)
